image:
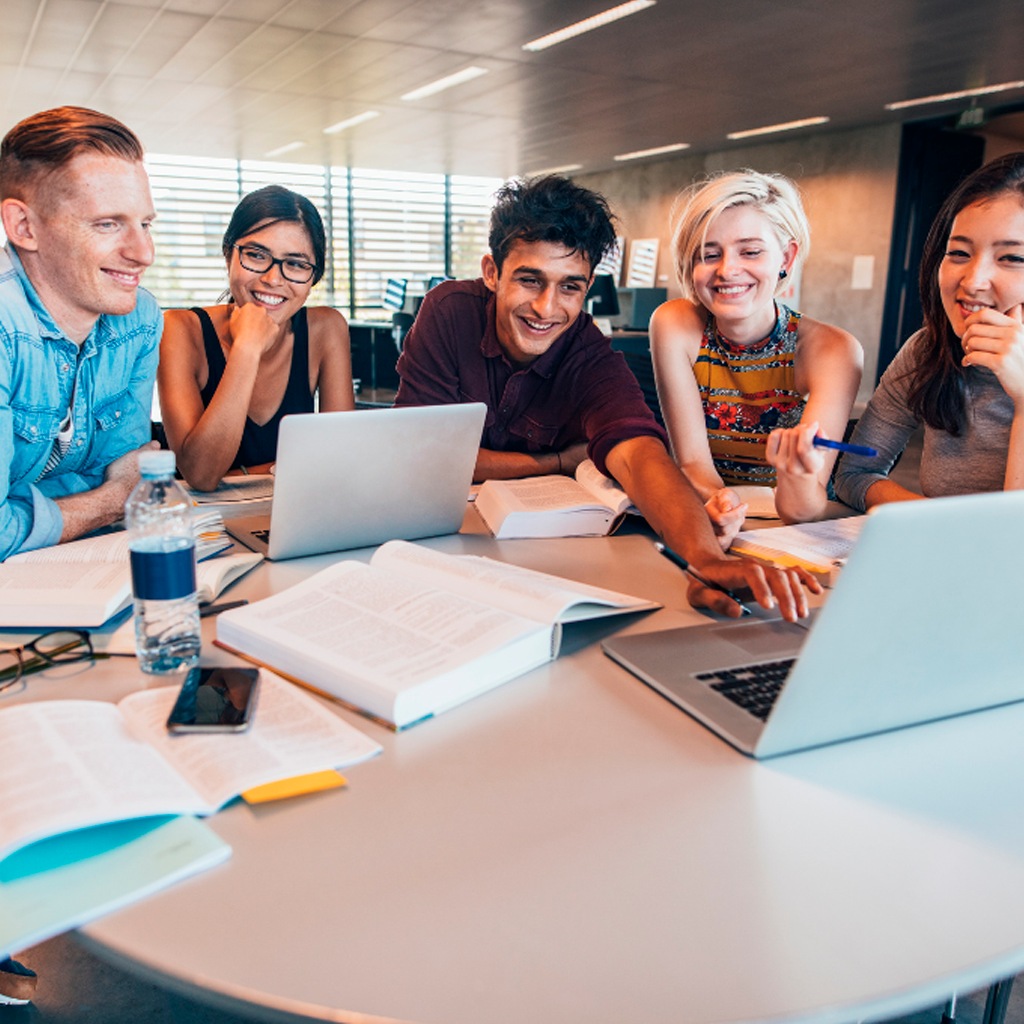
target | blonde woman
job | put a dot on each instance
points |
(746, 383)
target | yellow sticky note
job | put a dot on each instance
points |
(296, 786)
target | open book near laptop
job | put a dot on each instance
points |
(923, 624)
(351, 479)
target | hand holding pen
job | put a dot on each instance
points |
(729, 576)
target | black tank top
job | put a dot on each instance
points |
(259, 444)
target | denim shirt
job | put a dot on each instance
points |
(115, 365)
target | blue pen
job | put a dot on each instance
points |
(842, 446)
(698, 576)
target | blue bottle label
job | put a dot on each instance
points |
(164, 575)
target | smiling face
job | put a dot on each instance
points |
(539, 293)
(280, 297)
(736, 273)
(984, 260)
(84, 239)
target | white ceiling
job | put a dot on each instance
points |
(240, 78)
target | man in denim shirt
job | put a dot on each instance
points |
(78, 337)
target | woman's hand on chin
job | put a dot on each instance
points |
(996, 341)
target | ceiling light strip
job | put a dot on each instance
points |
(588, 24)
(657, 151)
(564, 169)
(963, 94)
(465, 75)
(351, 122)
(287, 148)
(785, 127)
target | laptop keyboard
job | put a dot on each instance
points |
(753, 687)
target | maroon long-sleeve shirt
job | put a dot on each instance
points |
(579, 390)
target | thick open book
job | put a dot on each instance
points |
(85, 582)
(416, 631)
(820, 548)
(71, 764)
(553, 506)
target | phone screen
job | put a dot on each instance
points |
(215, 700)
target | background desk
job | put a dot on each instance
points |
(570, 848)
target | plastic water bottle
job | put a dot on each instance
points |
(163, 559)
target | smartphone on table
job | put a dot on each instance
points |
(215, 700)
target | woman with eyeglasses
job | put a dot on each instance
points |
(229, 373)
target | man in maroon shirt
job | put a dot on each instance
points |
(519, 341)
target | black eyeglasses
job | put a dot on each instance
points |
(59, 647)
(259, 261)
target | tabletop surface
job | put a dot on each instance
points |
(572, 848)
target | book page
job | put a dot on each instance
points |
(603, 488)
(215, 574)
(291, 734)
(107, 547)
(371, 624)
(540, 494)
(818, 544)
(525, 592)
(73, 763)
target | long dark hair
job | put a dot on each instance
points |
(270, 205)
(936, 392)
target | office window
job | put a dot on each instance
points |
(380, 225)
(194, 198)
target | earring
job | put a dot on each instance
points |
(783, 275)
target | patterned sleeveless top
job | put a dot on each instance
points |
(747, 391)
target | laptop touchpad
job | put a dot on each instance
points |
(763, 639)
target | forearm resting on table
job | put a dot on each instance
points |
(883, 491)
(799, 499)
(89, 510)
(492, 465)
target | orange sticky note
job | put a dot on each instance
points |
(296, 786)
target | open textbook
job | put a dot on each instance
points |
(83, 583)
(821, 548)
(553, 506)
(71, 764)
(416, 631)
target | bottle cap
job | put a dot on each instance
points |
(155, 464)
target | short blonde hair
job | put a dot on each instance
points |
(699, 206)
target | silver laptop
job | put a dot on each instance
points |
(350, 479)
(924, 623)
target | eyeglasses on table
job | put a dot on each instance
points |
(58, 647)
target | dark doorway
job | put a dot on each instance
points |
(933, 160)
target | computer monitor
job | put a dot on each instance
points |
(436, 280)
(394, 294)
(603, 299)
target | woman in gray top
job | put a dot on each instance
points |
(962, 374)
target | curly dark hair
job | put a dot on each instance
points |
(936, 392)
(551, 209)
(270, 205)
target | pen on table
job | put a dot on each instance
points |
(683, 564)
(216, 609)
(842, 446)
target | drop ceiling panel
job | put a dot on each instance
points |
(241, 77)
